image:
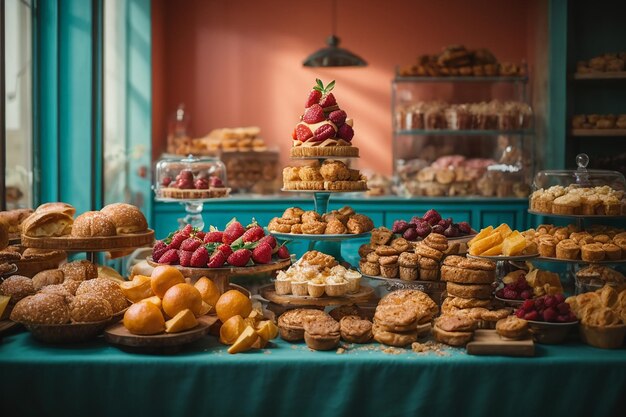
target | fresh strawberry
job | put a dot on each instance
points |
(177, 240)
(187, 230)
(169, 257)
(200, 235)
(217, 260)
(226, 249)
(253, 234)
(533, 315)
(200, 257)
(313, 114)
(262, 254)
(233, 231)
(201, 184)
(211, 237)
(338, 117)
(158, 249)
(314, 98)
(345, 132)
(328, 100)
(303, 133)
(240, 257)
(268, 239)
(283, 252)
(184, 257)
(165, 181)
(215, 182)
(190, 244)
(324, 132)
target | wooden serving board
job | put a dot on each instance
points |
(364, 294)
(90, 244)
(488, 342)
(117, 334)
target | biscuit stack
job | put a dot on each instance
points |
(454, 330)
(402, 316)
(337, 222)
(331, 175)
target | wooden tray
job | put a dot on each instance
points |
(30, 267)
(90, 244)
(488, 342)
(6, 326)
(118, 335)
(363, 295)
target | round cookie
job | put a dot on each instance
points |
(393, 339)
(466, 276)
(480, 291)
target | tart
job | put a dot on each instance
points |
(512, 327)
(321, 332)
(291, 323)
(355, 329)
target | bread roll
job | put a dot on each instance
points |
(47, 224)
(15, 218)
(92, 224)
(126, 218)
(4, 234)
(79, 270)
(57, 206)
(41, 309)
(47, 277)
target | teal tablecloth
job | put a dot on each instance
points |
(96, 379)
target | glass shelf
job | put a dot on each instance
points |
(470, 79)
(472, 132)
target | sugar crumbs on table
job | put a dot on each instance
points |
(340, 351)
(429, 346)
(393, 351)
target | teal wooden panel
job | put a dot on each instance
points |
(501, 216)
(557, 85)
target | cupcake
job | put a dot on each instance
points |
(389, 266)
(354, 280)
(316, 287)
(567, 249)
(547, 246)
(369, 268)
(300, 287)
(428, 269)
(282, 285)
(612, 251)
(336, 286)
(408, 266)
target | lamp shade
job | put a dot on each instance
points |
(333, 56)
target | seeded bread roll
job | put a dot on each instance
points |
(41, 309)
(17, 287)
(93, 223)
(79, 270)
(126, 218)
(47, 224)
(87, 308)
(48, 277)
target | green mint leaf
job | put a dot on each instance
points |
(330, 86)
(319, 82)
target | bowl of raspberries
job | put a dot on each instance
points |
(431, 222)
(550, 318)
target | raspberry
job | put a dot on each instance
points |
(313, 114)
(560, 298)
(184, 184)
(563, 308)
(201, 184)
(416, 220)
(226, 249)
(324, 132)
(283, 252)
(410, 234)
(500, 293)
(268, 239)
(262, 254)
(328, 100)
(532, 316)
(190, 244)
(314, 98)
(217, 260)
(399, 226)
(432, 217)
(253, 234)
(345, 132)
(571, 316)
(185, 174)
(158, 249)
(465, 228)
(233, 232)
(239, 258)
(338, 117)
(438, 229)
(550, 314)
(212, 237)
(184, 257)
(423, 230)
(445, 222)
(528, 305)
(200, 257)
(509, 294)
(177, 240)
(526, 295)
(169, 257)
(549, 301)
(165, 181)
(539, 304)
(215, 182)
(520, 313)
(303, 133)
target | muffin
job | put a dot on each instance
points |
(408, 266)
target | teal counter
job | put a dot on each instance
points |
(96, 379)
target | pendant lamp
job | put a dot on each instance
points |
(333, 55)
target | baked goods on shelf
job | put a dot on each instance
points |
(235, 246)
(337, 222)
(501, 241)
(48, 224)
(595, 244)
(187, 187)
(321, 333)
(601, 308)
(238, 139)
(462, 270)
(457, 60)
(610, 62)
(252, 172)
(31, 260)
(574, 200)
(434, 115)
(316, 274)
(355, 329)
(331, 175)
(324, 129)
(599, 121)
(454, 329)
(430, 222)
(14, 220)
(522, 285)
(596, 276)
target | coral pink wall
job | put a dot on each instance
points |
(239, 62)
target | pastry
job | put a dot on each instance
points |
(346, 310)
(290, 323)
(57, 206)
(105, 289)
(466, 276)
(567, 249)
(381, 236)
(512, 327)
(612, 251)
(478, 291)
(398, 318)
(355, 329)
(389, 270)
(17, 287)
(15, 218)
(48, 277)
(126, 218)
(316, 287)
(408, 266)
(4, 234)
(89, 308)
(415, 300)
(321, 333)
(547, 246)
(369, 268)
(452, 338)
(436, 241)
(398, 339)
(463, 303)
(92, 224)
(592, 252)
(456, 323)
(41, 309)
(359, 223)
(79, 270)
(426, 251)
(47, 224)
(366, 248)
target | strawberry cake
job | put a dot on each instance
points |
(324, 129)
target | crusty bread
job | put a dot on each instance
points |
(57, 206)
(93, 223)
(47, 224)
(126, 218)
(4, 234)
(15, 218)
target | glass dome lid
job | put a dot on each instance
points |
(190, 178)
(580, 177)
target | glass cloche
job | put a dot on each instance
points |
(580, 192)
(190, 178)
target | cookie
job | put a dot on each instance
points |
(512, 327)
(396, 339)
(467, 302)
(480, 291)
(355, 329)
(466, 276)
(452, 338)
(456, 323)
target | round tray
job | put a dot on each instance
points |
(10, 272)
(118, 335)
(512, 303)
(577, 216)
(14, 239)
(504, 258)
(90, 244)
(317, 158)
(231, 270)
(295, 236)
(325, 191)
(415, 285)
(30, 267)
(189, 200)
(363, 295)
(577, 261)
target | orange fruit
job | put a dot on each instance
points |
(231, 330)
(245, 341)
(137, 289)
(180, 297)
(209, 291)
(154, 300)
(232, 303)
(267, 330)
(184, 320)
(163, 278)
(144, 318)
